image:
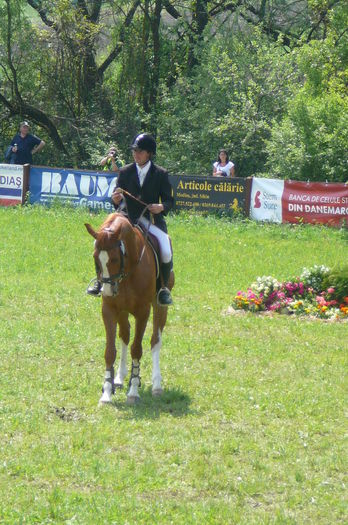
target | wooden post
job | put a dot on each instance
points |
(249, 182)
(26, 176)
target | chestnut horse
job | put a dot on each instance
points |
(127, 270)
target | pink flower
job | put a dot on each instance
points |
(331, 290)
(320, 300)
(273, 307)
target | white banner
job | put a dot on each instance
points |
(11, 184)
(266, 200)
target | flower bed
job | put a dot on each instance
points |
(318, 292)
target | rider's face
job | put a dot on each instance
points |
(141, 156)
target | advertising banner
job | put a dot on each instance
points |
(12, 187)
(219, 194)
(266, 200)
(93, 190)
(80, 188)
(315, 202)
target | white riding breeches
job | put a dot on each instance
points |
(162, 237)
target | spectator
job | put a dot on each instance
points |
(111, 161)
(24, 145)
(223, 167)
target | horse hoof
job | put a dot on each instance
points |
(156, 392)
(133, 400)
(105, 399)
(103, 402)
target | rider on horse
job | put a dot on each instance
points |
(145, 183)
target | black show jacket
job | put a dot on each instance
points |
(155, 189)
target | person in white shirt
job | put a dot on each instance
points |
(223, 167)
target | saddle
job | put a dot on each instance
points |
(154, 245)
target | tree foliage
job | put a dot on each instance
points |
(240, 87)
(265, 79)
(310, 142)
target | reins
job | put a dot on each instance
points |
(133, 197)
(146, 207)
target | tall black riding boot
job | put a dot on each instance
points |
(95, 286)
(163, 297)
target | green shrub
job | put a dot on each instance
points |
(338, 279)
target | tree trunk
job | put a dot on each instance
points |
(200, 19)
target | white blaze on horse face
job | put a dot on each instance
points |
(104, 257)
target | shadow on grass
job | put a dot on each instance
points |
(173, 401)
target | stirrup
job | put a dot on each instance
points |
(95, 289)
(164, 297)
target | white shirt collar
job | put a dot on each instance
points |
(142, 171)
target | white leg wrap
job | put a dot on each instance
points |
(156, 372)
(122, 369)
(107, 393)
(133, 390)
(133, 393)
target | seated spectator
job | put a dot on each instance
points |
(24, 145)
(111, 161)
(223, 167)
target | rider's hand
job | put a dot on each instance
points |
(156, 208)
(117, 196)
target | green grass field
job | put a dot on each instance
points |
(250, 427)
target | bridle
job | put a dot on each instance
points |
(115, 279)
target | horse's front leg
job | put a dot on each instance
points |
(110, 322)
(123, 332)
(136, 353)
(159, 321)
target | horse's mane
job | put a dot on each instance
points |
(115, 227)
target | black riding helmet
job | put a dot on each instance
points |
(144, 141)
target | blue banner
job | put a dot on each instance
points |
(93, 190)
(89, 189)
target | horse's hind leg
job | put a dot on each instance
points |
(159, 321)
(124, 331)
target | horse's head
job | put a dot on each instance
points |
(109, 255)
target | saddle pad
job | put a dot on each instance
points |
(153, 243)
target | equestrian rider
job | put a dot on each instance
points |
(150, 184)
